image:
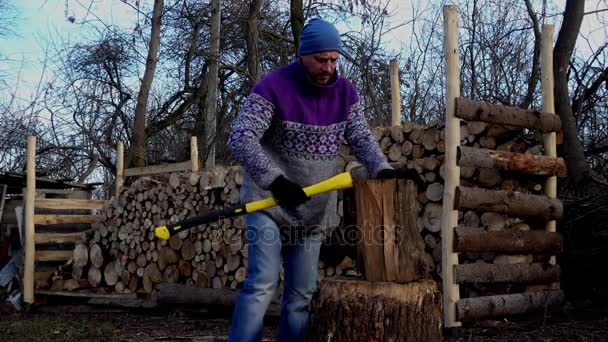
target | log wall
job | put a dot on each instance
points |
(132, 260)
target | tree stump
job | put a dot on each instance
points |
(390, 247)
(354, 310)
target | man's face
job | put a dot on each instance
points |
(321, 66)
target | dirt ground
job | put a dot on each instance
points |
(70, 323)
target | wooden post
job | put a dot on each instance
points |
(28, 273)
(451, 293)
(3, 200)
(194, 153)
(395, 94)
(548, 106)
(120, 167)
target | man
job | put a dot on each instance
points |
(287, 136)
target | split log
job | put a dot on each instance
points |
(512, 273)
(430, 138)
(512, 203)
(434, 192)
(394, 152)
(508, 161)
(385, 143)
(171, 274)
(471, 110)
(493, 222)
(80, 255)
(488, 177)
(94, 276)
(476, 127)
(397, 134)
(408, 127)
(351, 310)
(406, 148)
(109, 274)
(471, 219)
(188, 251)
(391, 247)
(96, 256)
(431, 217)
(470, 309)
(417, 151)
(507, 241)
(166, 256)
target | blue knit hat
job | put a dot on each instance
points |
(319, 35)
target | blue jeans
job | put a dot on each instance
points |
(300, 258)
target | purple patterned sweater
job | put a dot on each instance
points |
(291, 126)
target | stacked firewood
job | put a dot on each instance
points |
(422, 147)
(124, 255)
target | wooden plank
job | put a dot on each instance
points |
(83, 193)
(87, 294)
(28, 273)
(63, 203)
(124, 302)
(509, 161)
(511, 273)
(156, 169)
(512, 203)
(449, 217)
(470, 309)
(472, 110)
(60, 238)
(66, 219)
(53, 255)
(478, 240)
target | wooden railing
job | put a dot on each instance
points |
(121, 173)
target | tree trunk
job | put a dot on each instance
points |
(509, 202)
(578, 167)
(297, 22)
(138, 145)
(478, 240)
(253, 40)
(211, 100)
(471, 110)
(512, 273)
(508, 161)
(352, 311)
(470, 309)
(535, 74)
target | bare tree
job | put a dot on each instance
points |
(253, 41)
(578, 167)
(212, 78)
(297, 22)
(138, 143)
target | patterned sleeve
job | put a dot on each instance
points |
(244, 142)
(363, 142)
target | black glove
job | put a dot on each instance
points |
(402, 174)
(287, 193)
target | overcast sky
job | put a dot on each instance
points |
(40, 22)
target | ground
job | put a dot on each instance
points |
(72, 323)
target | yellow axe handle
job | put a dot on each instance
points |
(338, 182)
